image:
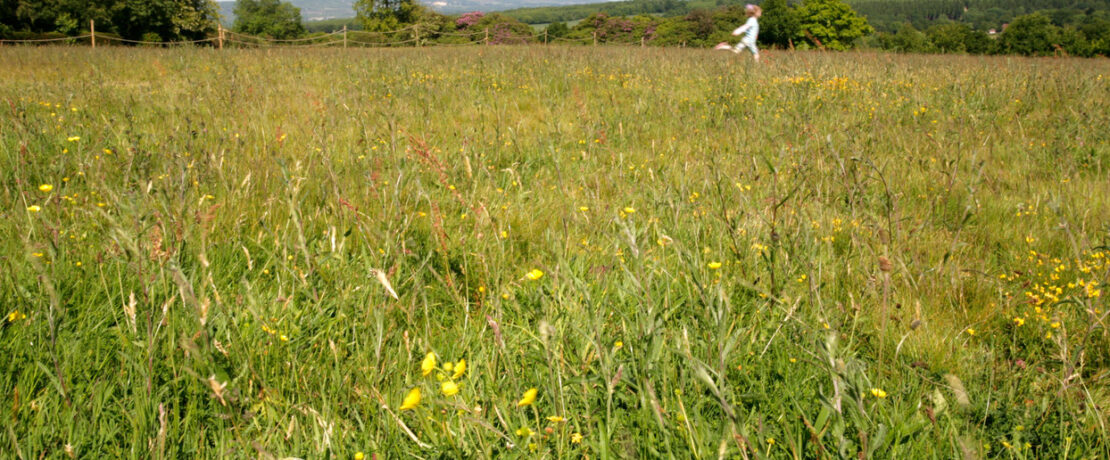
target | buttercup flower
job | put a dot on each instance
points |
(528, 399)
(411, 400)
(449, 388)
(429, 364)
(460, 368)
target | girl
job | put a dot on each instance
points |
(750, 30)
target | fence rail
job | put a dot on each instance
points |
(345, 38)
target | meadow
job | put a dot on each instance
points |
(552, 252)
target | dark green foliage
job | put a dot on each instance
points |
(779, 25)
(130, 19)
(1029, 35)
(958, 38)
(557, 29)
(906, 40)
(270, 18)
(886, 15)
(386, 15)
(1097, 31)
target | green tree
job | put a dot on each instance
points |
(271, 18)
(1097, 31)
(1074, 42)
(674, 31)
(387, 15)
(69, 16)
(832, 23)
(170, 20)
(906, 40)
(557, 29)
(779, 25)
(958, 38)
(1030, 35)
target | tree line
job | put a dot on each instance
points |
(147, 20)
(923, 25)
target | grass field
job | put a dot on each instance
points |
(683, 254)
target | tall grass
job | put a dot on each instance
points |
(828, 255)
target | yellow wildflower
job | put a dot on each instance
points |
(878, 393)
(411, 399)
(534, 274)
(970, 331)
(528, 399)
(460, 368)
(714, 265)
(524, 432)
(629, 210)
(46, 188)
(34, 208)
(576, 438)
(428, 365)
(73, 138)
(449, 388)
(555, 419)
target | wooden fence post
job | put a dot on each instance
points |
(344, 36)
(416, 30)
(487, 35)
(220, 35)
(545, 36)
(92, 32)
(641, 41)
(595, 38)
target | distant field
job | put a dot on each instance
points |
(683, 254)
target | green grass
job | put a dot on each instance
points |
(200, 279)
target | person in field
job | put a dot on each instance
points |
(750, 31)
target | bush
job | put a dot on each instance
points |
(1030, 35)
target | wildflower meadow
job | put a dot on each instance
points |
(552, 252)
